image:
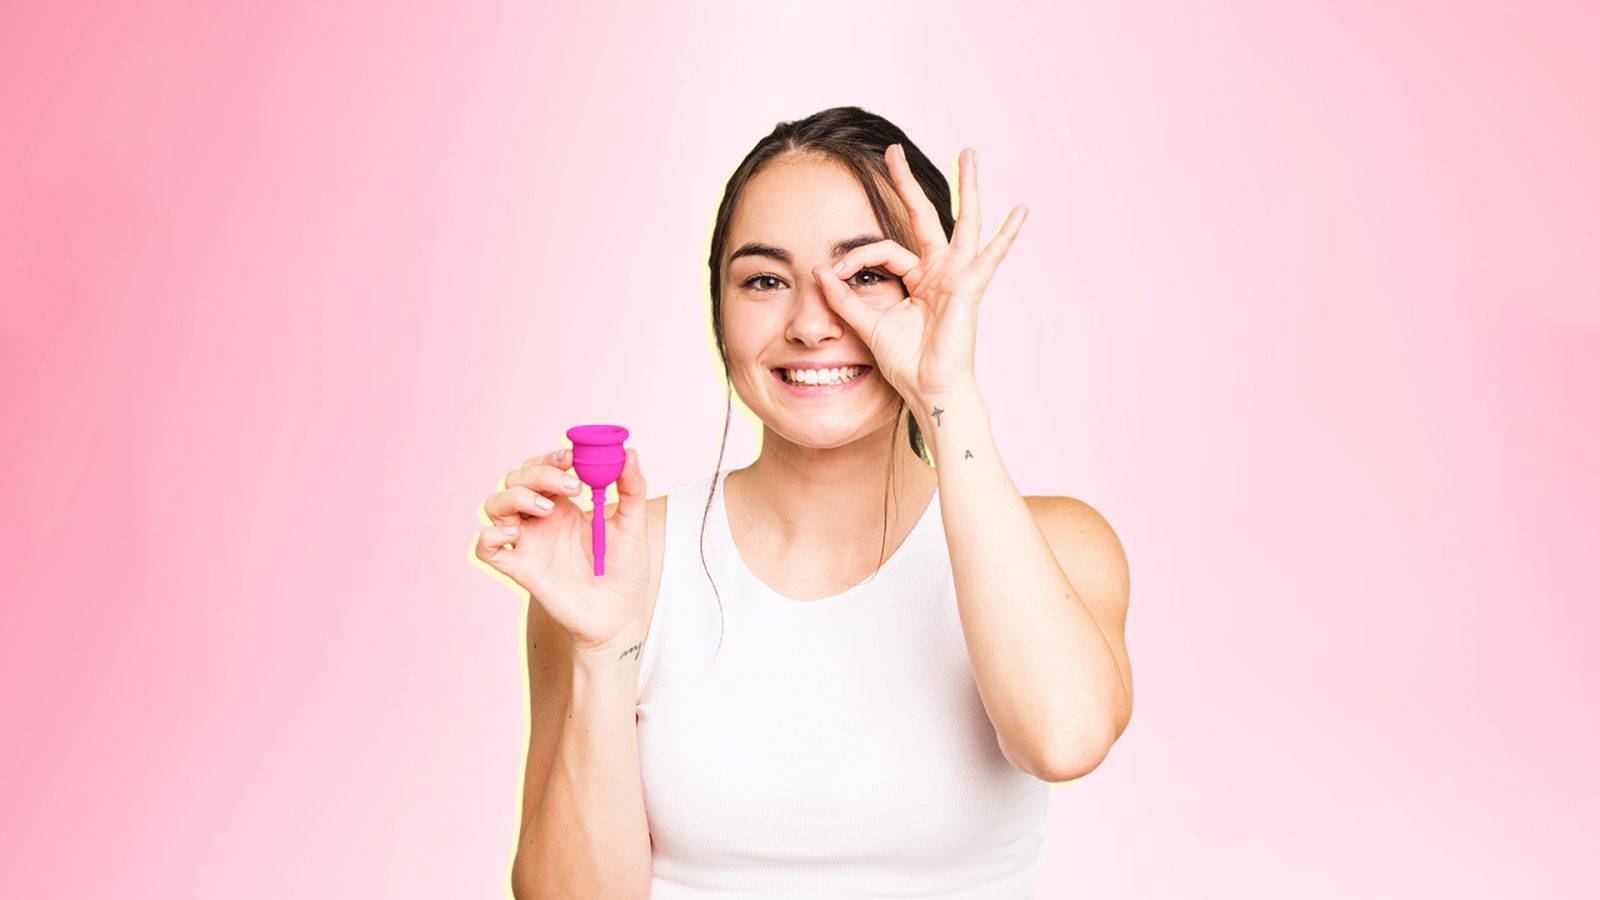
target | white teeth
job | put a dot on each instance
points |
(821, 376)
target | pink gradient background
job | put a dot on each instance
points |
(1307, 305)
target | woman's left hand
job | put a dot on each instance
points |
(924, 344)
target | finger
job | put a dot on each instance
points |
(547, 478)
(561, 458)
(509, 506)
(886, 253)
(491, 539)
(990, 258)
(924, 218)
(852, 309)
(630, 492)
(968, 224)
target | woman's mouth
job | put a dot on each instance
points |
(823, 385)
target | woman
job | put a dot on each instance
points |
(862, 673)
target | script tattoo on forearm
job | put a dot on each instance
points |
(634, 648)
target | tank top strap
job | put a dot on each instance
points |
(683, 578)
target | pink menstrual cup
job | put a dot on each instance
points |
(598, 457)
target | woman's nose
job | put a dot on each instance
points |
(812, 315)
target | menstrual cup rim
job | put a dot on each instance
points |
(597, 435)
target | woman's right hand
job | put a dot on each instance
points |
(550, 552)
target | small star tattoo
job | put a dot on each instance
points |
(969, 455)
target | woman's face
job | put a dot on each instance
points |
(792, 216)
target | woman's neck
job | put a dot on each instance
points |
(800, 503)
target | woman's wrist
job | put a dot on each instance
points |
(621, 652)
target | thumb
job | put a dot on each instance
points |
(630, 490)
(855, 313)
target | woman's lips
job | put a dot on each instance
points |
(818, 390)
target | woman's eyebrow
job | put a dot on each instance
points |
(840, 248)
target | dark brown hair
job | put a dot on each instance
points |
(856, 139)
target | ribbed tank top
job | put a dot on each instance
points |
(833, 748)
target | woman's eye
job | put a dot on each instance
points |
(753, 283)
(749, 283)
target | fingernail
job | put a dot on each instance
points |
(544, 502)
(571, 481)
(508, 529)
(838, 267)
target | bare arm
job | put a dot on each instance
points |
(1047, 650)
(588, 836)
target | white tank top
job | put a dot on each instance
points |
(833, 748)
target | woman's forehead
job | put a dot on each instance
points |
(801, 208)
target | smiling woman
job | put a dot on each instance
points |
(861, 675)
(830, 165)
(839, 746)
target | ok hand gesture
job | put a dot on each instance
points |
(924, 344)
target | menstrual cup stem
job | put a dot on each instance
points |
(599, 495)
